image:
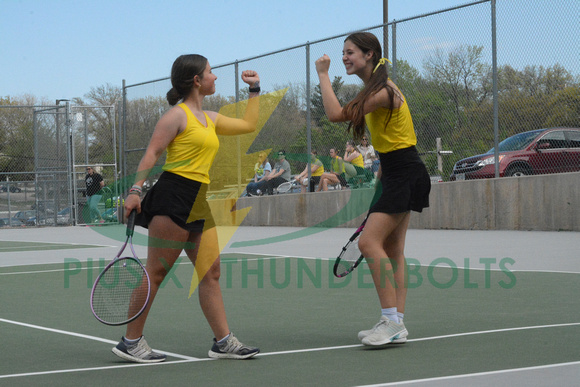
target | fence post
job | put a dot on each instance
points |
(308, 125)
(122, 153)
(238, 140)
(394, 57)
(439, 158)
(494, 76)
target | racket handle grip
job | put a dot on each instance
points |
(131, 223)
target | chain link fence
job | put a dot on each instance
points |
(444, 64)
(473, 75)
(44, 153)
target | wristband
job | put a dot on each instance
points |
(255, 89)
(135, 190)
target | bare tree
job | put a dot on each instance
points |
(461, 75)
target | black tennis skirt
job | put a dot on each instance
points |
(182, 199)
(405, 183)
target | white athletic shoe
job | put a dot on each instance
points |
(400, 339)
(232, 349)
(385, 332)
(140, 352)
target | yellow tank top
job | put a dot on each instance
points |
(320, 170)
(399, 132)
(358, 160)
(337, 165)
(191, 153)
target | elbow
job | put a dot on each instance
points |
(336, 115)
(248, 128)
(335, 118)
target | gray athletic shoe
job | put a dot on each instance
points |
(385, 332)
(140, 352)
(400, 339)
(231, 349)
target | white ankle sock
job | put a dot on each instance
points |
(224, 339)
(391, 314)
(128, 341)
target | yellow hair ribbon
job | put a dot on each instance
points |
(382, 61)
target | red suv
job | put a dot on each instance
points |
(535, 152)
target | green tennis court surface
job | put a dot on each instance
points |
(465, 327)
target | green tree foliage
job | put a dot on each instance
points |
(449, 97)
(16, 135)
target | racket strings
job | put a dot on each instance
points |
(348, 258)
(121, 292)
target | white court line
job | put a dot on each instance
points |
(427, 338)
(38, 244)
(427, 380)
(55, 270)
(186, 261)
(90, 369)
(34, 272)
(187, 359)
(83, 336)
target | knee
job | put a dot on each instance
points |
(366, 247)
(214, 272)
(157, 275)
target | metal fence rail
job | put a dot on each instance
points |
(469, 80)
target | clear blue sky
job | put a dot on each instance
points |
(61, 48)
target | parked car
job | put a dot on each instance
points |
(536, 152)
(24, 216)
(13, 188)
(62, 217)
(6, 222)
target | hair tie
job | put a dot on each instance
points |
(381, 62)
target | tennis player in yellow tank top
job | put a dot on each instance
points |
(175, 210)
(403, 177)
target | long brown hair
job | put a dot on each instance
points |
(378, 80)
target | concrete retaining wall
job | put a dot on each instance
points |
(541, 203)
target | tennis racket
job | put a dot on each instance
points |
(121, 292)
(285, 187)
(350, 256)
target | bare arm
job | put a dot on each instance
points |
(350, 157)
(165, 131)
(332, 106)
(330, 102)
(227, 126)
(275, 174)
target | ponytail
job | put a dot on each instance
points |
(173, 96)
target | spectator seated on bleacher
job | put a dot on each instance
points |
(336, 176)
(261, 171)
(316, 170)
(358, 177)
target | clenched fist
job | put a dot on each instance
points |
(251, 78)
(322, 64)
